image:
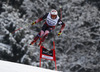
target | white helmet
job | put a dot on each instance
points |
(54, 14)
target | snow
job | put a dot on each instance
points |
(4, 46)
(1, 36)
(15, 67)
(78, 44)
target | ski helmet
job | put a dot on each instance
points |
(54, 14)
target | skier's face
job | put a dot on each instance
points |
(53, 16)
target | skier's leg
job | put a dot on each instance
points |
(47, 31)
(37, 37)
(45, 35)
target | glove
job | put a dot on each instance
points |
(36, 21)
(59, 33)
(33, 23)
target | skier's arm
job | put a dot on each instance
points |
(40, 19)
(62, 27)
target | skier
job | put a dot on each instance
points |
(52, 19)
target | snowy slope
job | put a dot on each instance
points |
(14, 67)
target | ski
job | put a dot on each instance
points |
(40, 43)
(32, 42)
(35, 42)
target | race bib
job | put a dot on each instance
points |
(50, 21)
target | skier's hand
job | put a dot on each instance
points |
(59, 33)
(33, 23)
(36, 21)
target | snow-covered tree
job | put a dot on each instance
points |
(77, 49)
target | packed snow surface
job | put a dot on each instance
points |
(15, 67)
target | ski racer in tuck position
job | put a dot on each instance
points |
(52, 19)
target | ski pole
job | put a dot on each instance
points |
(22, 27)
(60, 12)
(16, 30)
(60, 18)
